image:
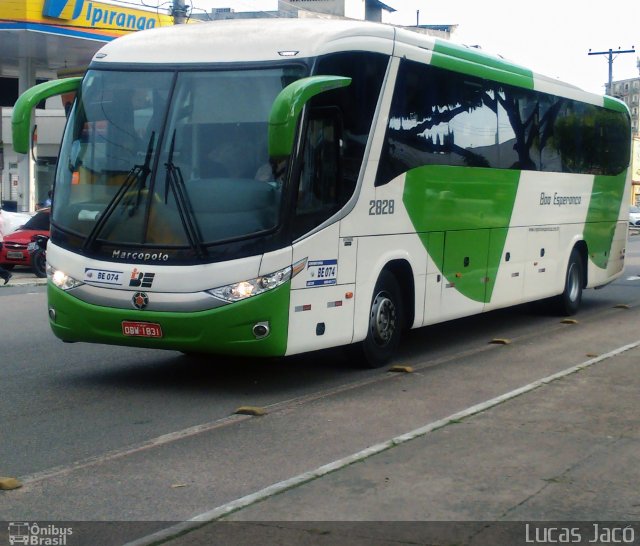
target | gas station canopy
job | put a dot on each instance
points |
(56, 35)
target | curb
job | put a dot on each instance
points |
(23, 282)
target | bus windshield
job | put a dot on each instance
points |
(166, 158)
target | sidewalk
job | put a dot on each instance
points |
(567, 451)
(23, 277)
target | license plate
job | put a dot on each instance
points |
(13, 255)
(322, 272)
(141, 329)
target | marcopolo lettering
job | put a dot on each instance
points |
(102, 16)
(140, 256)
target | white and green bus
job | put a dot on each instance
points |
(272, 187)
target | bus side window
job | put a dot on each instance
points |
(320, 191)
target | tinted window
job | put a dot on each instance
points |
(356, 103)
(591, 140)
(40, 221)
(441, 117)
(518, 129)
(337, 132)
(549, 108)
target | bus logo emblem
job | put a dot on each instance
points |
(141, 279)
(140, 300)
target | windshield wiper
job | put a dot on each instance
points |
(137, 172)
(175, 182)
(142, 179)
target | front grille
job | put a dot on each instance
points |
(15, 246)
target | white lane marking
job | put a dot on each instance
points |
(279, 487)
(206, 427)
(117, 453)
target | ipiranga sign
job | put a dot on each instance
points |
(81, 15)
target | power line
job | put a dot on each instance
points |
(610, 53)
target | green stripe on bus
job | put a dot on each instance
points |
(611, 103)
(602, 216)
(287, 106)
(473, 206)
(225, 330)
(475, 63)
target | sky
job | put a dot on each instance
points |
(552, 37)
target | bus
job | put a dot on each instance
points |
(272, 187)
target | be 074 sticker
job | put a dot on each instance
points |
(103, 276)
(322, 272)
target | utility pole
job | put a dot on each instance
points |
(179, 12)
(610, 54)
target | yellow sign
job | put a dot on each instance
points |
(635, 161)
(83, 18)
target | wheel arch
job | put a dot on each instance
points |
(581, 247)
(403, 272)
(398, 258)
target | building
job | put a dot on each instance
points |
(367, 10)
(635, 171)
(629, 92)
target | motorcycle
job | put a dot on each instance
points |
(38, 250)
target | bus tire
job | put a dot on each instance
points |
(39, 263)
(386, 318)
(568, 302)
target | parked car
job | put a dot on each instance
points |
(14, 220)
(634, 215)
(14, 249)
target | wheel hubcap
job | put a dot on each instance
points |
(383, 319)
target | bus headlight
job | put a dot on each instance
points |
(61, 279)
(245, 289)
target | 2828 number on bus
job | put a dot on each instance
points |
(381, 206)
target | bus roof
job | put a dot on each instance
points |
(278, 39)
(247, 40)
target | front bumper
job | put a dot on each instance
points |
(224, 330)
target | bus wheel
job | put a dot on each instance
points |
(39, 263)
(385, 324)
(568, 302)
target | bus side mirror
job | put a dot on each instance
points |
(21, 119)
(286, 109)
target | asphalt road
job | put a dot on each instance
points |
(109, 433)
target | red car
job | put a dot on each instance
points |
(14, 249)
